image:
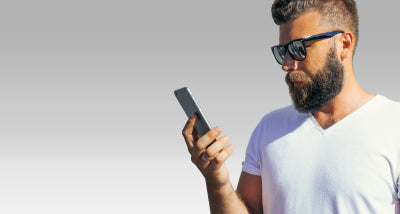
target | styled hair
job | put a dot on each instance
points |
(335, 14)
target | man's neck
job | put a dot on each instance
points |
(347, 101)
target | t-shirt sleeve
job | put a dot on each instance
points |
(252, 162)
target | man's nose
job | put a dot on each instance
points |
(289, 64)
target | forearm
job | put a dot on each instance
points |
(225, 200)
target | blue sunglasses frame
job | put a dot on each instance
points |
(297, 48)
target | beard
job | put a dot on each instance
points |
(319, 89)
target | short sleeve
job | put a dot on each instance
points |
(252, 163)
(264, 133)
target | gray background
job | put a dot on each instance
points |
(88, 119)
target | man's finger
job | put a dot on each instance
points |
(205, 140)
(216, 147)
(221, 157)
(189, 133)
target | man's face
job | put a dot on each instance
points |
(316, 80)
(316, 90)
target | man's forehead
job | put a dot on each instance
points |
(305, 25)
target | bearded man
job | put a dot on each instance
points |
(335, 150)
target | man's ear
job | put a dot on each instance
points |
(346, 43)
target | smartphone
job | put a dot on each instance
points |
(190, 106)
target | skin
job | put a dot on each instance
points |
(248, 196)
(222, 196)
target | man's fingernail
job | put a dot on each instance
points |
(216, 129)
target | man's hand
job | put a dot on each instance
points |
(208, 154)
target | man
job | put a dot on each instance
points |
(336, 150)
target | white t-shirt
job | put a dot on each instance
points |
(351, 167)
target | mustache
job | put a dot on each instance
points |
(298, 76)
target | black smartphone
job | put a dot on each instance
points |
(190, 106)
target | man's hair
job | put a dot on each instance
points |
(335, 14)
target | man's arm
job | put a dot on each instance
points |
(248, 195)
(209, 155)
(250, 191)
(225, 200)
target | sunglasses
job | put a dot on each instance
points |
(297, 48)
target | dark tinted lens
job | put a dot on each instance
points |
(297, 50)
(279, 53)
